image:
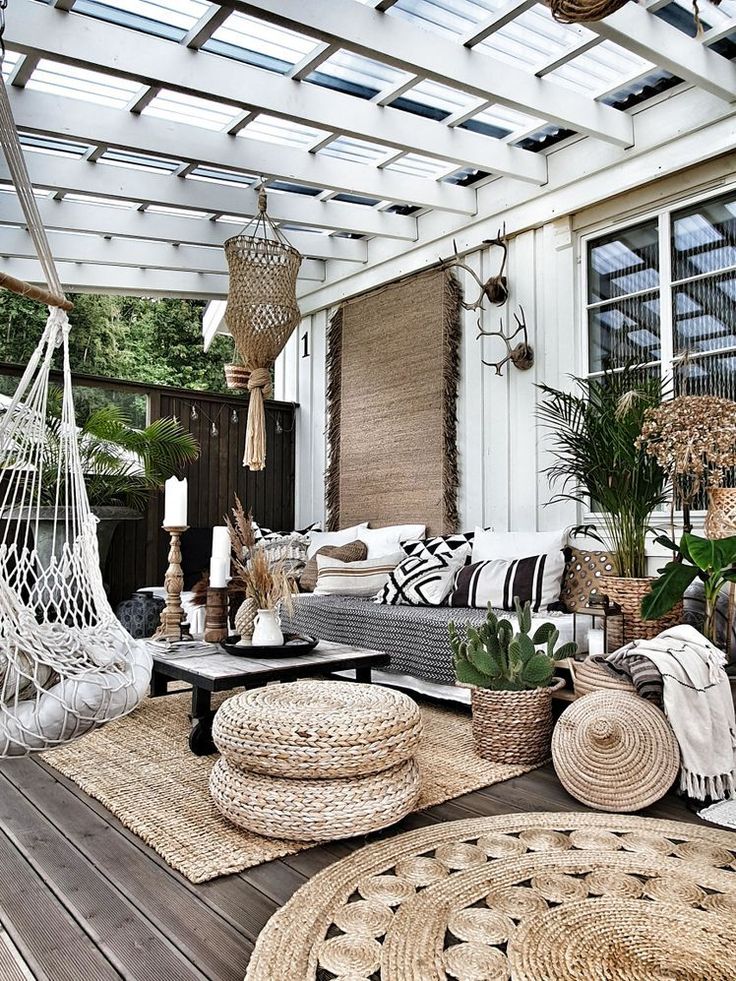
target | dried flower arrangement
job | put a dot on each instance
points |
(693, 438)
(266, 583)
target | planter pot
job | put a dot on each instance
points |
(628, 594)
(720, 521)
(236, 376)
(514, 727)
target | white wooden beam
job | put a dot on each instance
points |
(82, 277)
(206, 26)
(406, 46)
(503, 16)
(652, 38)
(82, 177)
(42, 113)
(23, 70)
(85, 41)
(67, 247)
(312, 61)
(77, 216)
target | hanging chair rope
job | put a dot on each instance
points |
(66, 664)
(261, 313)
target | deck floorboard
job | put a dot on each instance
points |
(81, 897)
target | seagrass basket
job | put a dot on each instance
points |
(514, 726)
(628, 594)
(720, 521)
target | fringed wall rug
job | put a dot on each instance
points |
(527, 897)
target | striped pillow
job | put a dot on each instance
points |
(497, 581)
(421, 581)
(336, 578)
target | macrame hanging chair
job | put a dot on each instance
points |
(261, 313)
(66, 664)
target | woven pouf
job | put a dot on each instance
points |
(318, 729)
(615, 751)
(590, 676)
(314, 810)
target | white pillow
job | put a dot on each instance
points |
(515, 544)
(319, 538)
(383, 541)
(366, 578)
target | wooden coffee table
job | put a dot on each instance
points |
(208, 673)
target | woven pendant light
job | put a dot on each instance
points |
(261, 313)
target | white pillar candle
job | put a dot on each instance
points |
(595, 642)
(175, 503)
(219, 570)
(220, 542)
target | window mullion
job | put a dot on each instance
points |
(666, 325)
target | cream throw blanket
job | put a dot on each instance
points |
(699, 707)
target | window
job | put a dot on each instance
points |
(663, 293)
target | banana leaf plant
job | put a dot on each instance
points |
(713, 561)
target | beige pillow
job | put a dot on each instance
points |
(360, 579)
(352, 552)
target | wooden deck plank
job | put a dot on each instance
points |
(205, 938)
(12, 965)
(131, 944)
(40, 926)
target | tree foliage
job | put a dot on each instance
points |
(155, 341)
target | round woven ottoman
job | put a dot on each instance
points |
(316, 760)
(615, 751)
(318, 729)
(314, 810)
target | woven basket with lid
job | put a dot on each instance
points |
(513, 726)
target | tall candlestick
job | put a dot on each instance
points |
(220, 542)
(596, 643)
(219, 569)
(175, 503)
(172, 616)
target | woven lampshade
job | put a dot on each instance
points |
(615, 751)
(261, 313)
(720, 521)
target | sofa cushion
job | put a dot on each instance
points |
(456, 546)
(351, 552)
(535, 579)
(336, 578)
(421, 580)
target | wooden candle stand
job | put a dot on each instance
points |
(172, 616)
(216, 615)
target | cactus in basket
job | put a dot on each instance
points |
(494, 657)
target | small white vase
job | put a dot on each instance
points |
(267, 632)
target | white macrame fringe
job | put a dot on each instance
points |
(699, 787)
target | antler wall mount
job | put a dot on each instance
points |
(495, 288)
(521, 355)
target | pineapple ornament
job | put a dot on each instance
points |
(245, 619)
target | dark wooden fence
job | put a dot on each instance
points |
(139, 548)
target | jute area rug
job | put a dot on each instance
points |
(141, 769)
(531, 897)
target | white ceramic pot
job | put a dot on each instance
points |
(267, 631)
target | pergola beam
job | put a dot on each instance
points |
(17, 242)
(79, 277)
(57, 115)
(96, 219)
(651, 38)
(504, 15)
(91, 43)
(366, 32)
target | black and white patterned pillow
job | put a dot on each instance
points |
(421, 580)
(459, 546)
(498, 581)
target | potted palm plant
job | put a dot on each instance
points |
(512, 680)
(600, 464)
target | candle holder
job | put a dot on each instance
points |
(216, 615)
(173, 627)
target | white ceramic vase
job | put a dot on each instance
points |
(267, 631)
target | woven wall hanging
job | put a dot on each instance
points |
(261, 313)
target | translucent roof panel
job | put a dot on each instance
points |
(532, 39)
(357, 75)
(258, 43)
(165, 18)
(357, 151)
(601, 69)
(510, 120)
(105, 202)
(138, 161)
(158, 209)
(420, 166)
(442, 97)
(270, 129)
(451, 18)
(81, 83)
(216, 175)
(52, 146)
(181, 108)
(10, 61)
(38, 192)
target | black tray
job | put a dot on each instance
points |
(294, 644)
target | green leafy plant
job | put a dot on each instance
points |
(713, 561)
(121, 465)
(493, 656)
(598, 462)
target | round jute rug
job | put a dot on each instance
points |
(528, 897)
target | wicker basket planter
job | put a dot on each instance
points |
(514, 726)
(628, 594)
(720, 521)
(236, 376)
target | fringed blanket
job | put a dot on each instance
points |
(699, 707)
